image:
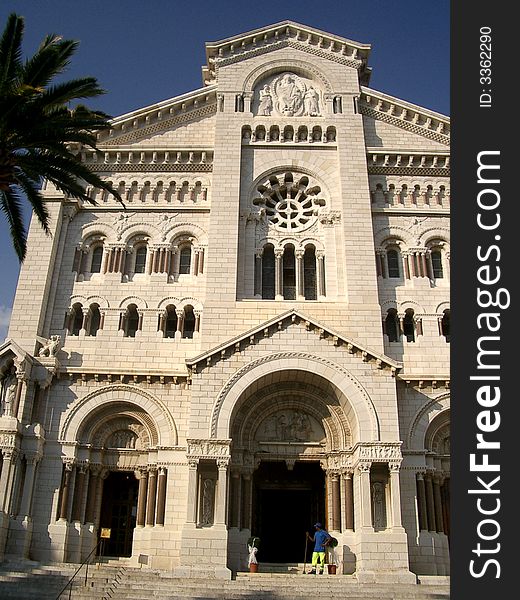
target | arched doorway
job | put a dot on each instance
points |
(287, 428)
(286, 504)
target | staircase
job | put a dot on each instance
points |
(116, 582)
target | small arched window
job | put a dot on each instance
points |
(392, 325)
(189, 322)
(185, 260)
(268, 273)
(131, 321)
(97, 258)
(170, 323)
(76, 319)
(392, 257)
(445, 325)
(94, 320)
(289, 273)
(409, 325)
(310, 290)
(436, 257)
(140, 259)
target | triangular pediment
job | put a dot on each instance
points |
(10, 350)
(281, 35)
(292, 318)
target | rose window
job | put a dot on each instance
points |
(290, 204)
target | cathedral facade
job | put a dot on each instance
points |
(258, 341)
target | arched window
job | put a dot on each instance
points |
(189, 322)
(409, 325)
(392, 325)
(131, 321)
(94, 321)
(436, 257)
(76, 319)
(310, 290)
(97, 258)
(445, 324)
(140, 259)
(393, 260)
(170, 322)
(268, 273)
(289, 273)
(185, 260)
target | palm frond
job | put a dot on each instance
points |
(11, 206)
(31, 189)
(51, 59)
(10, 51)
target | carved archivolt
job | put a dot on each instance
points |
(366, 425)
(416, 439)
(143, 405)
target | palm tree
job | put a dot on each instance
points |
(38, 129)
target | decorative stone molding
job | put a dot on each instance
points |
(385, 452)
(412, 118)
(208, 449)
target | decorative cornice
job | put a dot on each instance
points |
(415, 119)
(428, 164)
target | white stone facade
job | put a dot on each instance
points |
(274, 298)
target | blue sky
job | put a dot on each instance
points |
(143, 52)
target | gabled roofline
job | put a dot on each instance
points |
(286, 33)
(310, 323)
(288, 23)
(408, 105)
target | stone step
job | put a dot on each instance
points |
(43, 582)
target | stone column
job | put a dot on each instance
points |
(245, 511)
(77, 500)
(9, 456)
(141, 497)
(421, 503)
(180, 323)
(28, 486)
(320, 258)
(258, 273)
(234, 504)
(161, 496)
(395, 495)
(437, 503)
(366, 501)
(191, 516)
(430, 506)
(278, 273)
(151, 498)
(298, 254)
(336, 501)
(406, 262)
(221, 509)
(65, 489)
(349, 501)
(93, 483)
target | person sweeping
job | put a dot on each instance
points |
(320, 539)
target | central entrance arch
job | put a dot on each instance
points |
(286, 504)
(288, 428)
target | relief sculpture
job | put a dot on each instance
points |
(289, 95)
(290, 426)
